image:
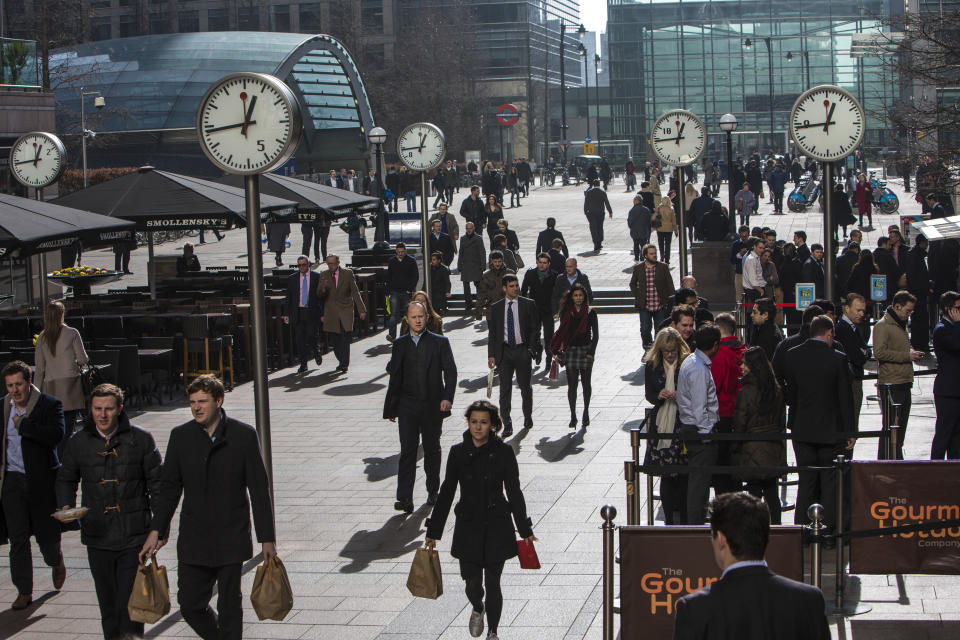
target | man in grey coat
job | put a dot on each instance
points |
(471, 261)
(638, 221)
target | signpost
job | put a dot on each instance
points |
(507, 115)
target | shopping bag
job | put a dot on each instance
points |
(150, 598)
(271, 597)
(527, 554)
(425, 579)
(554, 369)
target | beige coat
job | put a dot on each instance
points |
(339, 301)
(453, 229)
(655, 190)
(59, 375)
(891, 346)
(668, 219)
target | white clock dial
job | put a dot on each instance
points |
(678, 138)
(249, 123)
(421, 146)
(827, 123)
(37, 159)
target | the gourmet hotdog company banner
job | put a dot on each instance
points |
(892, 494)
(660, 565)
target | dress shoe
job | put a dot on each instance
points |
(59, 575)
(22, 602)
(573, 422)
(341, 369)
(528, 423)
(319, 359)
(476, 623)
(406, 507)
(507, 431)
(390, 338)
(432, 497)
(586, 419)
(302, 369)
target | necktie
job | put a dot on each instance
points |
(304, 291)
(511, 333)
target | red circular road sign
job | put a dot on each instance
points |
(508, 114)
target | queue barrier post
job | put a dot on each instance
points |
(608, 513)
(630, 476)
(815, 513)
(637, 462)
(839, 606)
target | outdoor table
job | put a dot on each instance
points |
(5, 296)
(367, 283)
(81, 284)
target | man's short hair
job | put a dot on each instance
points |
(743, 228)
(595, 183)
(903, 297)
(402, 245)
(551, 223)
(474, 188)
(496, 253)
(802, 234)
(826, 305)
(810, 313)
(498, 238)
(821, 326)
(13, 368)
(207, 383)
(557, 243)
(931, 196)
(107, 390)
(644, 184)
(302, 257)
(683, 294)
(853, 244)
(769, 232)
(750, 242)
(815, 246)
(682, 310)
(881, 241)
(437, 254)
(853, 297)
(744, 520)
(726, 322)
(707, 336)
(948, 299)
(767, 306)
(643, 251)
(508, 278)
(544, 255)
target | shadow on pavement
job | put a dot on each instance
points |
(360, 389)
(310, 380)
(397, 537)
(476, 384)
(566, 445)
(637, 378)
(459, 323)
(378, 350)
(12, 622)
(378, 469)
(518, 438)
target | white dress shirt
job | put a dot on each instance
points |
(753, 272)
(518, 337)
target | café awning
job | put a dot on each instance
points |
(311, 197)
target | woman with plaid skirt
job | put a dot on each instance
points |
(574, 345)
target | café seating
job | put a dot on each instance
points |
(135, 383)
(109, 357)
(162, 369)
(197, 348)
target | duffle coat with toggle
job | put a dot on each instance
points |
(483, 533)
(119, 478)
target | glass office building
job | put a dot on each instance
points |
(752, 58)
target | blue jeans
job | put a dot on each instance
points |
(398, 308)
(650, 320)
(411, 197)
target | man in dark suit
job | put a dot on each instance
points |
(594, 202)
(302, 309)
(33, 427)
(818, 385)
(423, 378)
(546, 237)
(851, 339)
(538, 286)
(214, 462)
(813, 269)
(749, 602)
(514, 340)
(440, 241)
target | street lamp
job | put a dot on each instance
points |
(563, 96)
(583, 54)
(99, 103)
(728, 123)
(596, 88)
(377, 136)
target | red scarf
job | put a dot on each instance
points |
(572, 325)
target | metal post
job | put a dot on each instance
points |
(586, 82)
(151, 267)
(680, 223)
(838, 529)
(424, 232)
(258, 321)
(563, 97)
(731, 205)
(503, 158)
(770, 72)
(596, 91)
(42, 256)
(815, 513)
(608, 513)
(635, 449)
(383, 226)
(83, 137)
(828, 243)
(630, 477)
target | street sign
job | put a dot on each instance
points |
(508, 114)
(589, 149)
(587, 139)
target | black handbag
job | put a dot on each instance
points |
(89, 379)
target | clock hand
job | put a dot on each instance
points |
(230, 126)
(826, 125)
(680, 132)
(25, 162)
(410, 148)
(246, 116)
(36, 158)
(669, 139)
(423, 141)
(815, 124)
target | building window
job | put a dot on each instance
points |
(310, 18)
(280, 17)
(371, 15)
(189, 21)
(100, 28)
(128, 26)
(375, 54)
(248, 18)
(217, 20)
(159, 23)
(100, 4)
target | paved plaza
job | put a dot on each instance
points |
(348, 552)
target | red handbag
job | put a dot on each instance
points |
(527, 555)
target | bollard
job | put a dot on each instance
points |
(815, 513)
(637, 462)
(630, 476)
(838, 597)
(608, 513)
(649, 500)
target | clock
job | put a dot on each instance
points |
(37, 159)
(678, 138)
(249, 123)
(421, 146)
(827, 123)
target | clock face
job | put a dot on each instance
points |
(37, 159)
(827, 123)
(421, 146)
(678, 138)
(249, 123)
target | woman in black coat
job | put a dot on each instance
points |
(483, 536)
(760, 409)
(859, 280)
(575, 344)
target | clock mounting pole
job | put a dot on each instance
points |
(829, 245)
(681, 226)
(424, 231)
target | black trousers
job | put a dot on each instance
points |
(340, 342)
(946, 437)
(546, 325)
(468, 295)
(920, 326)
(473, 575)
(415, 424)
(121, 261)
(319, 235)
(816, 486)
(724, 482)
(900, 394)
(113, 574)
(778, 201)
(673, 498)
(699, 454)
(194, 588)
(596, 229)
(664, 238)
(23, 520)
(304, 325)
(515, 360)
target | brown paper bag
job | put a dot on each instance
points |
(425, 579)
(150, 598)
(272, 597)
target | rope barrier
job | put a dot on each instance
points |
(884, 531)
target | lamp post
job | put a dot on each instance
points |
(596, 89)
(99, 103)
(377, 137)
(563, 96)
(748, 45)
(728, 123)
(586, 76)
(806, 67)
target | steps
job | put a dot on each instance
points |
(604, 301)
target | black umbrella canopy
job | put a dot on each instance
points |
(159, 200)
(31, 226)
(311, 197)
